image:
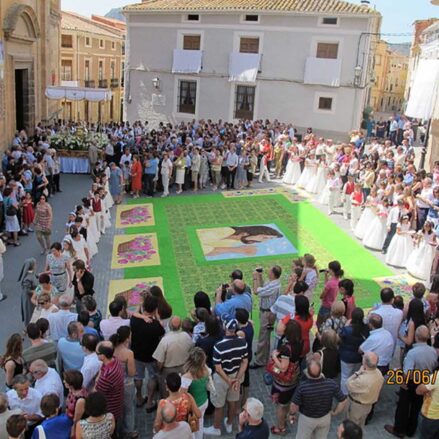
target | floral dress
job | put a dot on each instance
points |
(94, 430)
(58, 273)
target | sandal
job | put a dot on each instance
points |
(278, 431)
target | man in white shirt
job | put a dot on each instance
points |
(91, 366)
(111, 325)
(58, 321)
(25, 398)
(47, 380)
(231, 165)
(392, 222)
(380, 341)
(392, 317)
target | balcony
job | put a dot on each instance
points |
(114, 82)
(89, 84)
(103, 83)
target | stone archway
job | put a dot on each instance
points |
(21, 22)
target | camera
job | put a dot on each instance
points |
(224, 288)
(259, 270)
(323, 270)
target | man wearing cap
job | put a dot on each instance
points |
(230, 360)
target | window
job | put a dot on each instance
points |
(122, 81)
(123, 48)
(101, 70)
(67, 41)
(87, 70)
(244, 102)
(113, 69)
(378, 60)
(330, 21)
(325, 104)
(248, 45)
(187, 97)
(87, 42)
(113, 45)
(66, 70)
(191, 42)
(252, 18)
(193, 17)
(101, 44)
(327, 50)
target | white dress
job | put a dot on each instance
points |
(293, 172)
(375, 235)
(365, 220)
(401, 246)
(421, 259)
(321, 178)
(311, 185)
(306, 175)
(324, 196)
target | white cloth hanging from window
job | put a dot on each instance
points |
(322, 71)
(78, 94)
(187, 61)
(423, 93)
(243, 67)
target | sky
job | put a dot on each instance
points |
(398, 15)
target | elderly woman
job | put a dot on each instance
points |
(59, 268)
(29, 282)
(116, 183)
(43, 223)
(11, 210)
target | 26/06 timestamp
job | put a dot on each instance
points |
(416, 376)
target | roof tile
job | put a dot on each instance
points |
(300, 6)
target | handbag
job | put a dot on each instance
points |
(11, 210)
(286, 378)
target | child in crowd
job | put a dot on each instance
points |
(346, 289)
(28, 213)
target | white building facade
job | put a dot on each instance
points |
(301, 62)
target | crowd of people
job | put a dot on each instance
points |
(78, 373)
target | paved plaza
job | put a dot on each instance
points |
(74, 188)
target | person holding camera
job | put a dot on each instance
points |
(239, 299)
(268, 292)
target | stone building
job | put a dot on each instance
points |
(304, 62)
(92, 56)
(29, 61)
(390, 76)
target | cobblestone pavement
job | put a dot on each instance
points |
(75, 187)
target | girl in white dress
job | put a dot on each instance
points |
(307, 172)
(316, 181)
(293, 172)
(401, 245)
(311, 183)
(375, 235)
(321, 175)
(356, 203)
(420, 261)
(368, 214)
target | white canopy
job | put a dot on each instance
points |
(424, 91)
(323, 71)
(78, 94)
(243, 67)
(187, 61)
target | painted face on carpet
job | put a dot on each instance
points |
(243, 242)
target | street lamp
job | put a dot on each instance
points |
(156, 83)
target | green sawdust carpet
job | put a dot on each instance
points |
(185, 270)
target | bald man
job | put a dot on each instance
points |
(240, 299)
(423, 358)
(171, 428)
(172, 352)
(364, 389)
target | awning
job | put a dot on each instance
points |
(243, 67)
(187, 61)
(78, 94)
(424, 90)
(322, 71)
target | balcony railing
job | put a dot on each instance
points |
(114, 82)
(89, 84)
(103, 83)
